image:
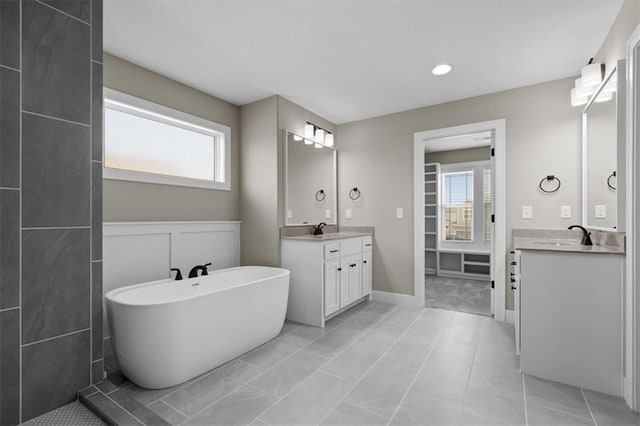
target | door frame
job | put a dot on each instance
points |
(631, 387)
(498, 261)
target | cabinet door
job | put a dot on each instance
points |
(366, 273)
(331, 286)
(353, 282)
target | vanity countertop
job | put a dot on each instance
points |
(564, 245)
(328, 236)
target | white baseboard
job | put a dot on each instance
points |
(510, 317)
(395, 298)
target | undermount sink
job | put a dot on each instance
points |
(555, 243)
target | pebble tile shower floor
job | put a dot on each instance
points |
(374, 364)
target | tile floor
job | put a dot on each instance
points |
(458, 294)
(74, 414)
(377, 364)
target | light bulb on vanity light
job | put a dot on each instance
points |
(577, 100)
(328, 139)
(319, 135)
(582, 90)
(603, 96)
(317, 145)
(297, 138)
(308, 130)
(591, 75)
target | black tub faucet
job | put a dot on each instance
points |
(317, 230)
(205, 271)
(194, 271)
(586, 235)
(178, 273)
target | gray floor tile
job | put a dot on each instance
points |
(410, 351)
(446, 373)
(355, 361)
(309, 403)
(310, 333)
(384, 334)
(403, 316)
(198, 395)
(538, 415)
(276, 350)
(288, 327)
(167, 413)
(142, 413)
(347, 414)
(610, 410)
(382, 389)
(237, 408)
(149, 396)
(499, 334)
(333, 342)
(362, 321)
(496, 360)
(490, 400)
(283, 377)
(380, 308)
(556, 395)
(423, 406)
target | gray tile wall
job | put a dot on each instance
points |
(50, 204)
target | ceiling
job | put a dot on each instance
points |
(352, 59)
(452, 143)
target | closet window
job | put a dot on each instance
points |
(457, 206)
(487, 205)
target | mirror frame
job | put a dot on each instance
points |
(334, 220)
(620, 168)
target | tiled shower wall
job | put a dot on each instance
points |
(50, 203)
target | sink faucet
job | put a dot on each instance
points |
(586, 235)
(194, 271)
(317, 230)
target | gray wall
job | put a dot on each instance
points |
(542, 137)
(135, 201)
(50, 204)
(482, 153)
(263, 125)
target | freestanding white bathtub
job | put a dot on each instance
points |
(166, 332)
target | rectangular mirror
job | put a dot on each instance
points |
(601, 151)
(310, 182)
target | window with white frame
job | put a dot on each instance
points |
(147, 142)
(466, 205)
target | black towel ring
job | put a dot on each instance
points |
(355, 193)
(611, 176)
(549, 178)
(320, 195)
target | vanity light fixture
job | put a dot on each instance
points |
(317, 145)
(604, 96)
(441, 69)
(328, 139)
(582, 90)
(578, 100)
(318, 135)
(591, 74)
(309, 129)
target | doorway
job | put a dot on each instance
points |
(459, 219)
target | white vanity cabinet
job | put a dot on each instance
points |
(327, 276)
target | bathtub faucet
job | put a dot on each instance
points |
(194, 271)
(178, 273)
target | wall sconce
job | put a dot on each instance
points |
(317, 134)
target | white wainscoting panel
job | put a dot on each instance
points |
(137, 252)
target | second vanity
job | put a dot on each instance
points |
(568, 309)
(329, 274)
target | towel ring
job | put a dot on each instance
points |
(355, 193)
(549, 178)
(320, 195)
(611, 176)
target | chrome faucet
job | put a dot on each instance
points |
(317, 230)
(586, 235)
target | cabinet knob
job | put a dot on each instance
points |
(364, 261)
(368, 245)
(339, 269)
(514, 263)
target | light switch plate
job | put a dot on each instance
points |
(399, 213)
(527, 212)
(289, 214)
(601, 211)
(347, 213)
(565, 212)
(327, 213)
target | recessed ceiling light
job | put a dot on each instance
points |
(441, 69)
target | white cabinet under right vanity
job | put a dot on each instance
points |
(329, 274)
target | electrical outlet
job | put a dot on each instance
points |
(527, 212)
(565, 212)
(601, 211)
(399, 213)
(347, 213)
(327, 213)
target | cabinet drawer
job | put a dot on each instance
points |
(367, 244)
(331, 251)
(350, 246)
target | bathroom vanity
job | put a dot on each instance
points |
(329, 274)
(568, 309)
